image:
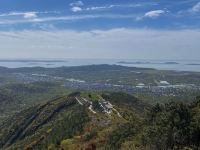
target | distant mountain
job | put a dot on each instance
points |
(194, 64)
(171, 63)
(147, 62)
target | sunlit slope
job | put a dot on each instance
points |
(79, 120)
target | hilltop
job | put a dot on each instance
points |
(102, 121)
(79, 120)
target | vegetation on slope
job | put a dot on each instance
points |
(173, 126)
(40, 126)
(17, 97)
(79, 121)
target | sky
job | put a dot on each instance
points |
(122, 29)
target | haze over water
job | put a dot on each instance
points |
(179, 65)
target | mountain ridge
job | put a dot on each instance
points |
(24, 126)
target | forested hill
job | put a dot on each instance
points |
(88, 120)
(61, 71)
(79, 120)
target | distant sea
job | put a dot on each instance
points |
(178, 65)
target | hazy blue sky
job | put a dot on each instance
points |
(140, 29)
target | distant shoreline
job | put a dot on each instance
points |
(193, 64)
(175, 65)
(139, 62)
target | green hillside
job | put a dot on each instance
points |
(102, 121)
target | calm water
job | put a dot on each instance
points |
(179, 65)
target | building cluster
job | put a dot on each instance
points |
(163, 88)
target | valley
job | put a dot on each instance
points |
(99, 75)
(98, 107)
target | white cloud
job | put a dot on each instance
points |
(77, 3)
(114, 43)
(65, 18)
(96, 8)
(112, 6)
(154, 13)
(29, 15)
(103, 7)
(191, 11)
(196, 8)
(76, 6)
(151, 14)
(130, 5)
(76, 9)
(19, 14)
